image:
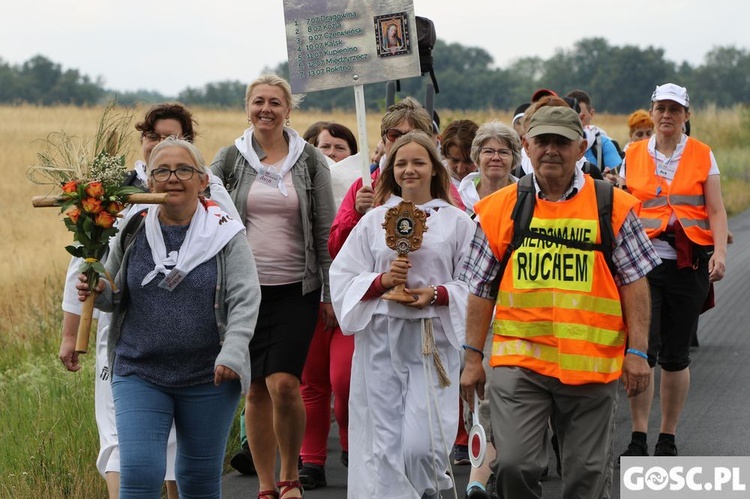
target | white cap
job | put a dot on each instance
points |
(670, 91)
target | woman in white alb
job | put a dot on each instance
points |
(402, 417)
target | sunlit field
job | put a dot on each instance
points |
(48, 440)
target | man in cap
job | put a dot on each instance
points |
(565, 326)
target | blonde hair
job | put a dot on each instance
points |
(274, 80)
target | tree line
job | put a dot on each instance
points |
(619, 79)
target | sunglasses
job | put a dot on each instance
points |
(392, 134)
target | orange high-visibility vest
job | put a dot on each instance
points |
(684, 195)
(558, 309)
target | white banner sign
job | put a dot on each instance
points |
(342, 43)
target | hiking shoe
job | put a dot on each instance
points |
(461, 455)
(243, 462)
(665, 448)
(345, 458)
(476, 493)
(312, 476)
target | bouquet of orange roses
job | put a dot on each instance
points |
(91, 176)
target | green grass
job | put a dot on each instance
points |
(48, 436)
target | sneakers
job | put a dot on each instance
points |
(312, 476)
(461, 455)
(243, 461)
(665, 448)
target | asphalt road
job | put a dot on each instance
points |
(716, 418)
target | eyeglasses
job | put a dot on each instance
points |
(392, 134)
(183, 173)
(490, 152)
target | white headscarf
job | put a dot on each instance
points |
(210, 230)
(296, 146)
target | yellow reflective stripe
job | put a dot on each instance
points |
(573, 301)
(566, 361)
(561, 330)
(697, 200)
(689, 222)
(655, 202)
(651, 223)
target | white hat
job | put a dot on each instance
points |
(670, 91)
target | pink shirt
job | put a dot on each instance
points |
(273, 227)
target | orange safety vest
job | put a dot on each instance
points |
(558, 309)
(683, 196)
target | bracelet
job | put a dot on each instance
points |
(473, 349)
(434, 294)
(637, 352)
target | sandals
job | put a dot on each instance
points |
(265, 494)
(288, 486)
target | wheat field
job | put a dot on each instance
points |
(33, 239)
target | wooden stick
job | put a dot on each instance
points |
(140, 198)
(84, 326)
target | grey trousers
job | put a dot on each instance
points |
(521, 403)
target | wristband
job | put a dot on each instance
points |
(637, 352)
(434, 294)
(473, 349)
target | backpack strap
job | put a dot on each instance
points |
(590, 168)
(132, 226)
(312, 161)
(523, 210)
(599, 151)
(229, 168)
(604, 200)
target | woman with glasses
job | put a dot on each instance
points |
(184, 305)
(281, 185)
(161, 121)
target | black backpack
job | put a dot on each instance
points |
(524, 210)
(426, 39)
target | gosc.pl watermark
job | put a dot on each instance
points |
(684, 477)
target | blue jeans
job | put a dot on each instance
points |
(202, 415)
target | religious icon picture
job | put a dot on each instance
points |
(405, 227)
(392, 34)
